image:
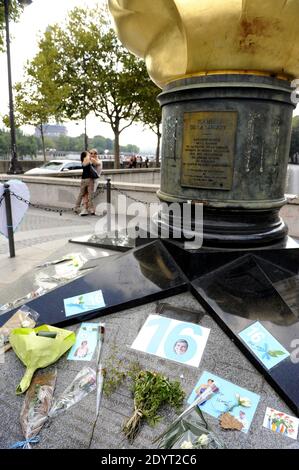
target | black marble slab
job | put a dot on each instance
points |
(142, 275)
(200, 262)
(260, 286)
(120, 241)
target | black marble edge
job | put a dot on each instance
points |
(239, 343)
(122, 249)
(87, 316)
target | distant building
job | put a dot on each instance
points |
(52, 130)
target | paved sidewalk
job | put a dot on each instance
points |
(39, 235)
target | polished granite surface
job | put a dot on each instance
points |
(120, 241)
(137, 277)
(258, 287)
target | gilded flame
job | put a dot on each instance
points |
(179, 38)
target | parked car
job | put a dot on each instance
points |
(55, 167)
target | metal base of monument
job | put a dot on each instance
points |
(229, 228)
(237, 288)
(226, 144)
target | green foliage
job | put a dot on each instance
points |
(31, 145)
(151, 391)
(82, 66)
(295, 139)
(14, 13)
(151, 113)
(27, 145)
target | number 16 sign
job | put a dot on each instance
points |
(171, 339)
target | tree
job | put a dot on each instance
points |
(38, 98)
(15, 10)
(294, 150)
(101, 75)
(151, 113)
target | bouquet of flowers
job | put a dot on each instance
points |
(36, 406)
(83, 384)
(190, 430)
(25, 317)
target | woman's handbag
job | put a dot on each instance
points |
(93, 173)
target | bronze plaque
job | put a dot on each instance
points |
(208, 149)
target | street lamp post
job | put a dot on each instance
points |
(14, 166)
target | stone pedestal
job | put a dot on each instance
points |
(226, 142)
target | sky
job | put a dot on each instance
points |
(24, 37)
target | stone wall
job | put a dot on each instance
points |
(62, 192)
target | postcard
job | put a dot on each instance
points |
(281, 423)
(268, 350)
(86, 342)
(172, 339)
(84, 303)
(226, 397)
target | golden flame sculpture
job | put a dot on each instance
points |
(179, 38)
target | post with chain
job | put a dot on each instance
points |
(108, 188)
(9, 221)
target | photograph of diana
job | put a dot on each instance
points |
(181, 347)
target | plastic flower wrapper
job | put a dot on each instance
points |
(25, 317)
(32, 295)
(83, 384)
(190, 432)
(36, 406)
(37, 352)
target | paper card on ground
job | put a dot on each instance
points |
(86, 343)
(227, 397)
(281, 423)
(268, 350)
(171, 339)
(84, 303)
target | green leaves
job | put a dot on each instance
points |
(276, 353)
(151, 391)
(14, 13)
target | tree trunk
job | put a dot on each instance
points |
(85, 134)
(41, 127)
(158, 149)
(116, 149)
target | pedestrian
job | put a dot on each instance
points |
(98, 166)
(146, 162)
(89, 174)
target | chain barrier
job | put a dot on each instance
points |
(60, 211)
(37, 206)
(130, 197)
(100, 190)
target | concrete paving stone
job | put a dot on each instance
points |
(73, 428)
(252, 381)
(10, 430)
(264, 438)
(228, 353)
(107, 433)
